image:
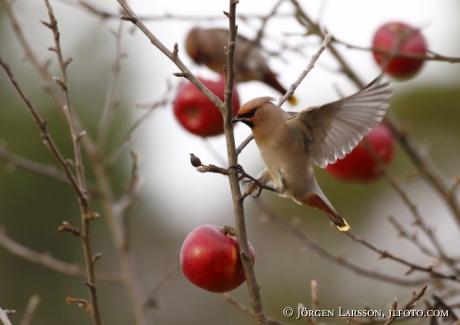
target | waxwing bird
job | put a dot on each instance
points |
(206, 46)
(290, 142)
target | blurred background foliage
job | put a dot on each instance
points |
(33, 206)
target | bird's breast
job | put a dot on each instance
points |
(292, 161)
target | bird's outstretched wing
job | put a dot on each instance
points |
(330, 131)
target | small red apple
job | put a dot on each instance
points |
(196, 113)
(210, 259)
(359, 165)
(400, 37)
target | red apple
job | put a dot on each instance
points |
(196, 113)
(210, 259)
(359, 165)
(400, 37)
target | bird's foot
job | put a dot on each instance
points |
(253, 186)
(254, 183)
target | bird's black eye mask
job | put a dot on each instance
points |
(249, 114)
(243, 117)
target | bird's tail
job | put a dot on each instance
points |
(316, 202)
(271, 80)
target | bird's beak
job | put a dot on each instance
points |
(237, 119)
(243, 120)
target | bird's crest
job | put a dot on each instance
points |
(255, 103)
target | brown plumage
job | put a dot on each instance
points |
(206, 46)
(288, 143)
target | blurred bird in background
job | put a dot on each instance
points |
(206, 46)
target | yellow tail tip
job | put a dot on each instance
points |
(292, 100)
(344, 227)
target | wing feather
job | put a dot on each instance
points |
(330, 131)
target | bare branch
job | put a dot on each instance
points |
(412, 207)
(317, 249)
(152, 299)
(47, 260)
(245, 142)
(385, 254)
(130, 135)
(411, 237)
(42, 125)
(314, 295)
(30, 310)
(131, 191)
(247, 310)
(104, 14)
(49, 85)
(110, 99)
(431, 57)
(39, 168)
(131, 16)
(408, 306)
(33, 166)
(77, 134)
(4, 316)
(314, 58)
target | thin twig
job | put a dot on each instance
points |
(130, 135)
(152, 299)
(104, 14)
(317, 249)
(172, 55)
(33, 166)
(411, 237)
(47, 260)
(30, 310)
(43, 126)
(245, 142)
(314, 295)
(408, 306)
(412, 266)
(314, 58)
(247, 310)
(126, 259)
(76, 134)
(49, 84)
(4, 316)
(39, 168)
(127, 199)
(412, 207)
(111, 99)
(431, 57)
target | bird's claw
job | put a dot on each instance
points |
(254, 183)
(253, 186)
(240, 171)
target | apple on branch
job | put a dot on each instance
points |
(399, 37)
(196, 113)
(210, 259)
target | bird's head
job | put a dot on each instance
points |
(254, 111)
